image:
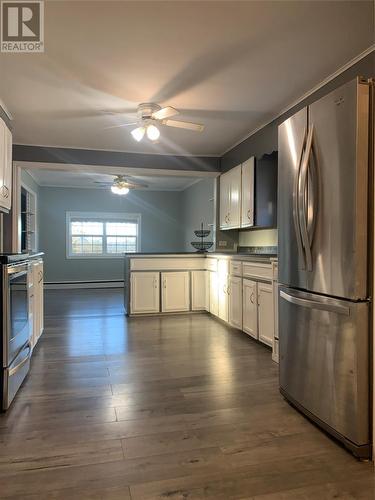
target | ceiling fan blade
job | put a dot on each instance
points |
(163, 113)
(121, 125)
(133, 185)
(197, 127)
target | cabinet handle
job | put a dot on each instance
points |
(249, 214)
(252, 297)
(164, 283)
(4, 191)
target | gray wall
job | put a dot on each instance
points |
(265, 140)
(161, 228)
(198, 206)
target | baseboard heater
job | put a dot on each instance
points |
(56, 285)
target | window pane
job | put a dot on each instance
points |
(87, 245)
(76, 245)
(121, 244)
(121, 228)
(87, 227)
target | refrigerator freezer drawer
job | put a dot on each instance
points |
(324, 360)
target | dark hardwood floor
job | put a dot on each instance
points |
(172, 408)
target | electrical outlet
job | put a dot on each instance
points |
(223, 243)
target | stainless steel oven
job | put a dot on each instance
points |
(16, 350)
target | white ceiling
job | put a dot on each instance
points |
(229, 65)
(87, 179)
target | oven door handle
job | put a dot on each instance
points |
(14, 370)
(17, 275)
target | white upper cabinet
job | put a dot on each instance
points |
(145, 292)
(237, 196)
(5, 167)
(224, 200)
(175, 291)
(247, 193)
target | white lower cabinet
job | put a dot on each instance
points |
(199, 291)
(144, 292)
(265, 313)
(250, 308)
(223, 284)
(36, 312)
(214, 293)
(235, 301)
(175, 295)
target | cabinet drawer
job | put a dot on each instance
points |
(235, 268)
(211, 264)
(166, 263)
(260, 271)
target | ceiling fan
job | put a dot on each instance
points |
(122, 184)
(150, 115)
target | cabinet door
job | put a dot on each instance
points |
(3, 147)
(175, 291)
(198, 290)
(247, 193)
(7, 179)
(144, 292)
(250, 308)
(265, 313)
(235, 302)
(223, 282)
(214, 293)
(235, 197)
(40, 294)
(224, 200)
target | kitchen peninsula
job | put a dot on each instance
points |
(239, 289)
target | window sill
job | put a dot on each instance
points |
(90, 257)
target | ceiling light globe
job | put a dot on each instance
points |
(153, 133)
(138, 133)
(119, 190)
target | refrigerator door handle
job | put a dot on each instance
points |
(329, 305)
(296, 191)
(302, 200)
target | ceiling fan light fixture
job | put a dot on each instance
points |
(119, 190)
(138, 133)
(153, 133)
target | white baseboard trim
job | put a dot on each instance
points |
(83, 284)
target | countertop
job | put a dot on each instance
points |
(10, 258)
(232, 255)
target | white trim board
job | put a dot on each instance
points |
(83, 284)
(324, 82)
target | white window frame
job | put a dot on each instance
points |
(104, 217)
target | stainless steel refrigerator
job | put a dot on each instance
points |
(325, 261)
